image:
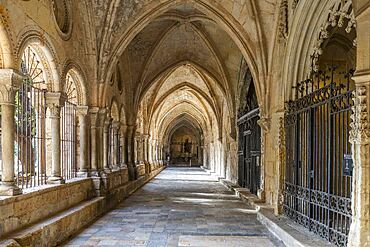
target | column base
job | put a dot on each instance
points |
(55, 180)
(83, 174)
(9, 189)
(116, 168)
(94, 173)
(107, 170)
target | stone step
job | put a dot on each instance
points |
(290, 233)
(54, 230)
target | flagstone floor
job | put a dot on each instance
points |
(180, 207)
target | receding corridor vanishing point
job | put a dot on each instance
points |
(180, 207)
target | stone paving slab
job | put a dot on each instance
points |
(180, 207)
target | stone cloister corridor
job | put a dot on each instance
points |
(179, 207)
(185, 123)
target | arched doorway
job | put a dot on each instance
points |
(318, 178)
(249, 146)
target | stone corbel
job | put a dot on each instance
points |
(265, 123)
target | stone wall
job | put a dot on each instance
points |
(20, 211)
(50, 215)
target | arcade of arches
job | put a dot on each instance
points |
(104, 100)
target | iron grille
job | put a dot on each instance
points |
(318, 155)
(30, 145)
(68, 141)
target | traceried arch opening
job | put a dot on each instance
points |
(30, 114)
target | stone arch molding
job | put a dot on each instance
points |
(6, 41)
(42, 45)
(315, 17)
(336, 17)
(80, 78)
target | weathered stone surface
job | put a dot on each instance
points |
(180, 207)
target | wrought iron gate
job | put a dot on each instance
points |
(318, 156)
(250, 151)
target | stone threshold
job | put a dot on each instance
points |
(289, 232)
(60, 227)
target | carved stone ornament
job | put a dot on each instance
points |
(82, 110)
(102, 117)
(360, 133)
(10, 80)
(336, 17)
(93, 114)
(283, 20)
(265, 123)
(55, 101)
(282, 160)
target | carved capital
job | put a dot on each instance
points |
(10, 80)
(102, 117)
(55, 101)
(116, 125)
(360, 133)
(82, 110)
(94, 115)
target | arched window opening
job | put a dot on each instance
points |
(318, 177)
(69, 129)
(30, 116)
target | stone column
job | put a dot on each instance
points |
(100, 138)
(55, 101)
(136, 158)
(106, 144)
(123, 131)
(94, 156)
(116, 162)
(10, 80)
(82, 113)
(131, 152)
(146, 153)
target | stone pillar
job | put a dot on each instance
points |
(123, 131)
(10, 80)
(94, 156)
(360, 139)
(106, 144)
(146, 153)
(116, 162)
(131, 152)
(82, 112)
(55, 101)
(100, 138)
(136, 156)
